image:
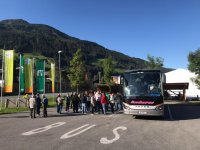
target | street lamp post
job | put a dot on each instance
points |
(60, 71)
(99, 77)
(2, 80)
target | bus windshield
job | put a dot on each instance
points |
(142, 84)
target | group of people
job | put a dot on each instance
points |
(85, 102)
(35, 102)
(90, 102)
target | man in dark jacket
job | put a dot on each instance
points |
(38, 104)
(45, 105)
(75, 101)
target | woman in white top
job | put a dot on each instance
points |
(112, 102)
(92, 102)
(32, 106)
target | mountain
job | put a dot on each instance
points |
(47, 41)
(44, 42)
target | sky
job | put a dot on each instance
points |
(169, 29)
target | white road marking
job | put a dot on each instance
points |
(170, 114)
(104, 140)
(43, 129)
(67, 135)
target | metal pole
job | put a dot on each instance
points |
(44, 76)
(54, 80)
(99, 76)
(53, 98)
(19, 80)
(2, 82)
(33, 76)
(60, 72)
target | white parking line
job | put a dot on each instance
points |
(170, 114)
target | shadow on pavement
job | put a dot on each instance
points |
(52, 113)
(15, 116)
(176, 112)
(183, 111)
(64, 114)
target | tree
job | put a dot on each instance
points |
(154, 62)
(76, 71)
(108, 68)
(194, 65)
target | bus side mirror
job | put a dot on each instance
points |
(164, 78)
(123, 81)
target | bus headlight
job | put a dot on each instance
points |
(159, 107)
(125, 106)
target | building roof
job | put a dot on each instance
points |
(175, 86)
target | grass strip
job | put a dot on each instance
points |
(10, 110)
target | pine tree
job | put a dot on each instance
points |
(154, 62)
(76, 71)
(108, 69)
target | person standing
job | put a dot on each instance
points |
(108, 100)
(119, 101)
(71, 100)
(83, 102)
(45, 105)
(67, 102)
(112, 102)
(26, 97)
(59, 102)
(103, 103)
(38, 104)
(87, 101)
(98, 101)
(92, 102)
(32, 106)
(75, 103)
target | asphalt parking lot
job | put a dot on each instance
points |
(178, 130)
